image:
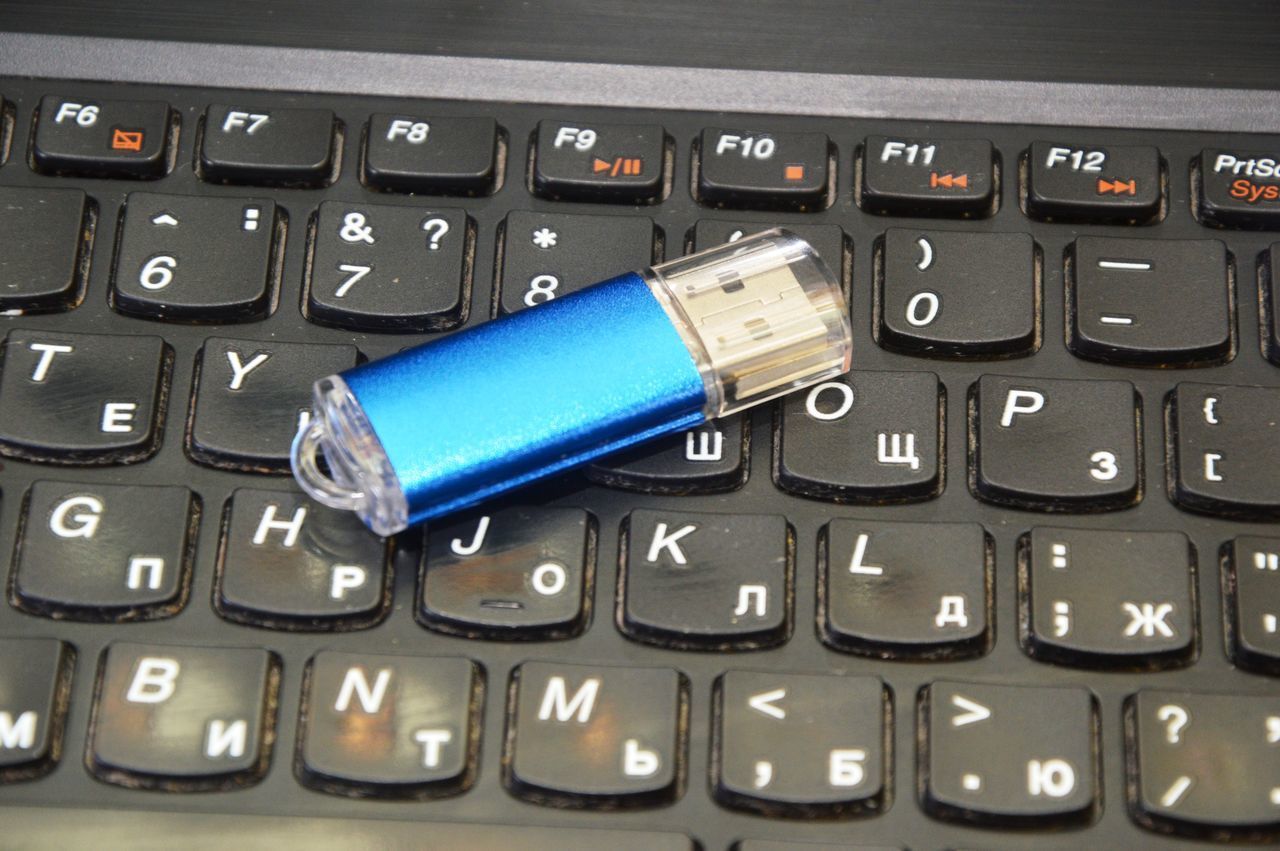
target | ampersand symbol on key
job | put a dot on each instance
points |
(355, 230)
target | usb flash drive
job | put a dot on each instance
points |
(453, 422)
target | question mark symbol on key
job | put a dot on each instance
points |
(1174, 718)
(436, 229)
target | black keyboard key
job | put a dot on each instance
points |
(827, 240)
(870, 437)
(197, 259)
(906, 590)
(600, 162)
(287, 563)
(518, 573)
(1150, 302)
(1238, 189)
(1223, 444)
(1054, 444)
(389, 726)
(250, 397)
(708, 459)
(432, 156)
(594, 736)
(706, 581)
(1015, 756)
(82, 398)
(378, 267)
(183, 718)
(1204, 764)
(46, 236)
(799, 744)
(928, 177)
(1251, 598)
(1099, 598)
(105, 552)
(955, 294)
(1269, 283)
(749, 168)
(547, 255)
(268, 146)
(107, 138)
(35, 684)
(1092, 183)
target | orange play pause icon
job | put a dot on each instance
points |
(618, 166)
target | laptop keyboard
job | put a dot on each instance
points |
(1015, 580)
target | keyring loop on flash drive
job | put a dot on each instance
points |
(324, 489)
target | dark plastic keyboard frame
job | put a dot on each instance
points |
(70, 785)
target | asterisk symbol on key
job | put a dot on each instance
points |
(545, 237)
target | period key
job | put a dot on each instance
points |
(927, 177)
(1070, 182)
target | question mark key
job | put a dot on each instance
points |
(402, 269)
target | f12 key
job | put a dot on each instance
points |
(1089, 183)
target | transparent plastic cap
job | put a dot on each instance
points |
(762, 316)
(360, 477)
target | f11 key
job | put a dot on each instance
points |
(923, 177)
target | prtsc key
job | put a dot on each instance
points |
(453, 422)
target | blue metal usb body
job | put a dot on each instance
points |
(519, 404)
(451, 423)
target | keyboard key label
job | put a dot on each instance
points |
(183, 717)
(1240, 188)
(940, 177)
(389, 725)
(605, 735)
